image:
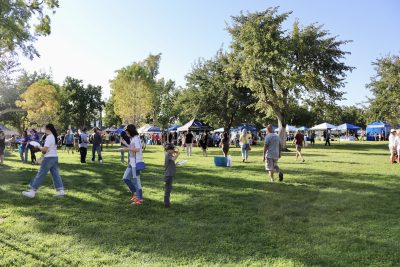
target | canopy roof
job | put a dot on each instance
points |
(173, 128)
(195, 125)
(119, 130)
(323, 126)
(347, 126)
(303, 128)
(149, 129)
(378, 124)
(246, 126)
(289, 128)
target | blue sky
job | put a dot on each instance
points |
(91, 39)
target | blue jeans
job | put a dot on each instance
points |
(48, 164)
(132, 180)
(98, 149)
(245, 151)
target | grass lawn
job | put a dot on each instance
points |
(339, 208)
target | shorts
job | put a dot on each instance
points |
(298, 147)
(271, 165)
(69, 145)
(2, 151)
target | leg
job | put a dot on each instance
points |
(44, 169)
(127, 178)
(57, 181)
(138, 184)
(93, 153)
(168, 189)
(122, 156)
(243, 153)
(99, 153)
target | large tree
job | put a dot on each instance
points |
(21, 22)
(167, 112)
(110, 118)
(132, 91)
(385, 86)
(80, 105)
(282, 67)
(41, 102)
(216, 94)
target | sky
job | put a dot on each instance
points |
(92, 39)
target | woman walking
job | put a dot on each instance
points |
(50, 163)
(244, 143)
(132, 176)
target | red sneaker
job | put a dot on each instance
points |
(138, 202)
(134, 198)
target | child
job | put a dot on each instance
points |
(170, 157)
(203, 144)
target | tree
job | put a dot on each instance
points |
(110, 118)
(168, 112)
(385, 86)
(132, 91)
(16, 21)
(79, 104)
(217, 96)
(282, 67)
(41, 102)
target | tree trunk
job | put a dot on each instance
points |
(282, 132)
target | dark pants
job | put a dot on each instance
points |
(168, 188)
(33, 151)
(98, 150)
(83, 151)
(328, 142)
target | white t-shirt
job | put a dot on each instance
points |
(135, 142)
(84, 140)
(392, 138)
(52, 146)
(397, 142)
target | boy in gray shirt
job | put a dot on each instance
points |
(170, 166)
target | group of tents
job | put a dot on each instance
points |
(195, 125)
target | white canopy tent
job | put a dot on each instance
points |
(289, 128)
(323, 126)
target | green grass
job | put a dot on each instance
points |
(339, 208)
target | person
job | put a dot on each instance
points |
(69, 141)
(50, 163)
(83, 143)
(2, 147)
(124, 137)
(189, 143)
(392, 144)
(203, 144)
(131, 176)
(183, 141)
(12, 143)
(24, 147)
(225, 143)
(299, 142)
(96, 146)
(34, 136)
(244, 143)
(237, 139)
(107, 138)
(327, 136)
(312, 138)
(272, 153)
(397, 144)
(170, 166)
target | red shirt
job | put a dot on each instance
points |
(299, 139)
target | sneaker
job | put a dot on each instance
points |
(280, 176)
(303, 160)
(30, 193)
(137, 202)
(134, 198)
(101, 161)
(60, 193)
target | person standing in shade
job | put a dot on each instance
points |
(50, 163)
(299, 142)
(83, 143)
(225, 143)
(170, 167)
(272, 153)
(24, 147)
(2, 147)
(245, 145)
(189, 143)
(203, 144)
(34, 137)
(97, 141)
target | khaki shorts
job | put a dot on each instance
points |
(271, 165)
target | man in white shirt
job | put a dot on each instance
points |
(392, 144)
(83, 143)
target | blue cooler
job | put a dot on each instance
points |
(220, 161)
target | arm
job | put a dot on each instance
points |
(175, 155)
(265, 151)
(280, 149)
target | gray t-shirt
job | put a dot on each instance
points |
(272, 142)
(170, 166)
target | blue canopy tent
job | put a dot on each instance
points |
(173, 128)
(119, 130)
(303, 128)
(195, 125)
(347, 127)
(377, 127)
